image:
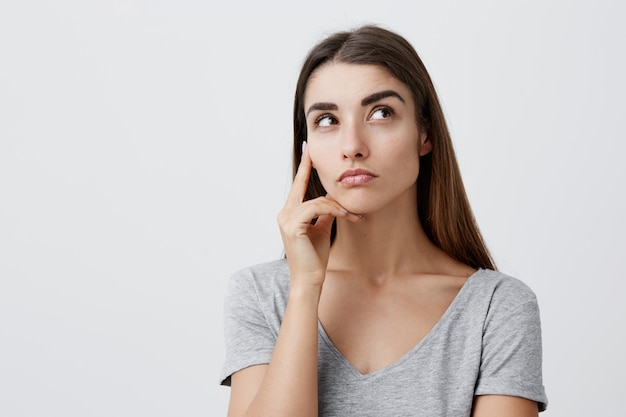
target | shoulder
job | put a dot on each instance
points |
(502, 288)
(276, 270)
(508, 304)
(262, 279)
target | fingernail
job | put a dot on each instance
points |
(303, 145)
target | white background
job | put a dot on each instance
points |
(144, 154)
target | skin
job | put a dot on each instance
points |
(382, 274)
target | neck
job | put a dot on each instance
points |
(385, 244)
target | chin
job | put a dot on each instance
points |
(367, 201)
(359, 205)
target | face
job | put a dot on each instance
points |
(363, 137)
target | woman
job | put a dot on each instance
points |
(388, 302)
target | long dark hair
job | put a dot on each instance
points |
(443, 207)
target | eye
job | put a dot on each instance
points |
(325, 120)
(382, 113)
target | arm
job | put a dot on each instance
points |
(504, 406)
(287, 386)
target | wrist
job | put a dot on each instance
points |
(305, 290)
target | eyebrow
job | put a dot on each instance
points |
(322, 106)
(372, 98)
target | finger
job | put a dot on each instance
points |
(322, 206)
(310, 211)
(301, 180)
(324, 222)
(301, 217)
(354, 217)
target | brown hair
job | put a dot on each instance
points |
(443, 207)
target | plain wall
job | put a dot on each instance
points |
(144, 155)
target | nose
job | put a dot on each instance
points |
(353, 145)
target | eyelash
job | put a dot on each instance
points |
(322, 117)
(386, 109)
(330, 116)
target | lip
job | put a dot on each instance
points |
(356, 177)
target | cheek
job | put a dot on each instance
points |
(317, 156)
(407, 162)
(314, 154)
(318, 160)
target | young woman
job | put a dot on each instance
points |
(388, 302)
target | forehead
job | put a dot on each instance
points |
(340, 82)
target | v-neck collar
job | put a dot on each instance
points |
(433, 331)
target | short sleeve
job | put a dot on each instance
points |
(248, 338)
(511, 362)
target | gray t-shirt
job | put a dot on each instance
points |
(487, 342)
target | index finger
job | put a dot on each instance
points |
(301, 180)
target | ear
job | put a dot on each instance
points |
(425, 145)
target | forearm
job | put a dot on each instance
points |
(290, 385)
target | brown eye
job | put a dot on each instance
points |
(325, 120)
(382, 113)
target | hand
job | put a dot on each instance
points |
(307, 245)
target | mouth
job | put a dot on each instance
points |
(356, 177)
